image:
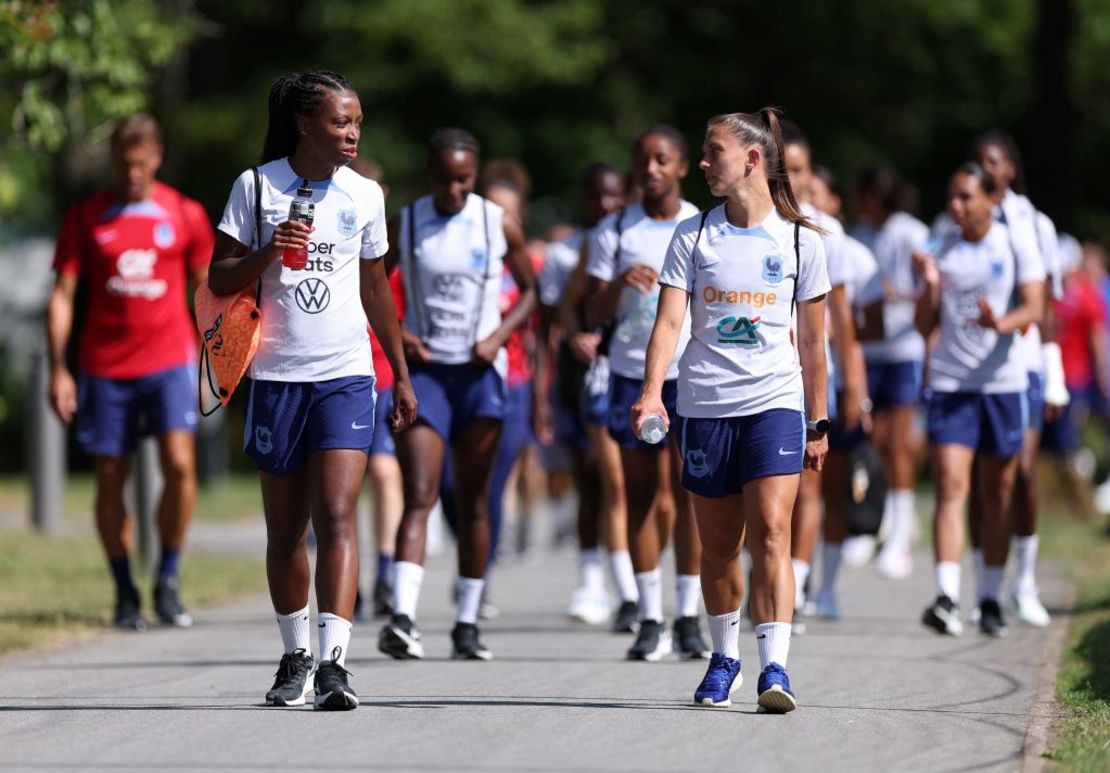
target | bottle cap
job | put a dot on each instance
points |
(304, 191)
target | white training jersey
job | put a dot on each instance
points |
(833, 241)
(644, 241)
(313, 323)
(968, 357)
(1019, 214)
(562, 259)
(863, 287)
(893, 246)
(453, 277)
(742, 283)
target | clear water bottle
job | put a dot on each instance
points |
(302, 209)
(653, 430)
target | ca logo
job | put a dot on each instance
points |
(313, 296)
(739, 330)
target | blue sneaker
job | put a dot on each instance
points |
(722, 678)
(775, 695)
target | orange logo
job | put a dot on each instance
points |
(758, 298)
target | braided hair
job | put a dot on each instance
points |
(453, 139)
(295, 94)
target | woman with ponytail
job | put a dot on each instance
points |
(752, 408)
(310, 410)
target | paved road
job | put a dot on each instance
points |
(877, 692)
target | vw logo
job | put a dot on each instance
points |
(313, 296)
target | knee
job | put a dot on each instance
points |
(774, 542)
(179, 469)
(714, 556)
(421, 492)
(285, 541)
(336, 526)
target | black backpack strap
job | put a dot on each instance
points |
(701, 227)
(798, 269)
(412, 281)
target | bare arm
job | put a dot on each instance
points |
(521, 269)
(1030, 309)
(59, 327)
(844, 340)
(815, 373)
(377, 302)
(234, 267)
(926, 315)
(660, 353)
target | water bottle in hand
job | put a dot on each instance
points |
(303, 210)
(653, 430)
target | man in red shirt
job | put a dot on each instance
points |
(134, 245)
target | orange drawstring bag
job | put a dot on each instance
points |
(230, 327)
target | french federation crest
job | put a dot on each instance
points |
(697, 463)
(772, 269)
(348, 222)
(997, 269)
(478, 259)
(164, 235)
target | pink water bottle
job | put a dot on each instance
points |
(302, 209)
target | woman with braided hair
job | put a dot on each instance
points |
(310, 410)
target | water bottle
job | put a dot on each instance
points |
(653, 430)
(303, 210)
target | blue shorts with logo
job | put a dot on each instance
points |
(720, 456)
(452, 397)
(595, 397)
(891, 384)
(113, 412)
(382, 442)
(623, 393)
(286, 421)
(992, 424)
(1035, 396)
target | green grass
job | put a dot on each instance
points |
(238, 496)
(1082, 740)
(58, 588)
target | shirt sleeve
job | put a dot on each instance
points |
(202, 238)
(1049, 243)
(602, 250)
(678, 265)
(813, 272)
(238, 219)
(839, 268)
(375, 242)
(69, 252)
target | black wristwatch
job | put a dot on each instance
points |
(818, 428)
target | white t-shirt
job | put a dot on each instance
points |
(833, 240)
(643, 241)
(967, 356)
(1025, 222)
(865, 285)
(313, 323)
(893, 246)
(453, 288)
(562, 259)
(742, 283)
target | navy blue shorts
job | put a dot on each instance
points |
(451, 397)
(1035, 397)
(382, 443)
(719, 456)
(891, 384)
(595, 398)
(992, 424)
(623, 393)
(286, 421)
(112, 412)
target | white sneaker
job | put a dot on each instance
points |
(894, 563)
(857, 551)
(1031, 611)
(589, 607)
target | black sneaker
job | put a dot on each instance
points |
(991, 621)
(400, 640)
(467, 645)
(383, 599)
(168, 606)
(332, 691)
(688, 642)
(291, 683)
(627, 618)
(944, 617)
(653, 642)
(127, 615)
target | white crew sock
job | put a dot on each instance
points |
(624, 576)
(801, 574)
(335, 636)
(773, 640)
(407, 579)
(947, 574)
(1025, 555)
(887, 522)
(650, 585)
(295, 632)
(830, 566)
(904, 515)
(724, 630)
(469, 593)
(992, 582)
(591, 576)
(689, 593)
(978, 564)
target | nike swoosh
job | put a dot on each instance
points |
(784, 452)
(761, 636)
(356, 425)
(735, 622)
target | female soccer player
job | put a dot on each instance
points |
(310, 411)
(983, 285)
(744, 268)
(451, 245)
